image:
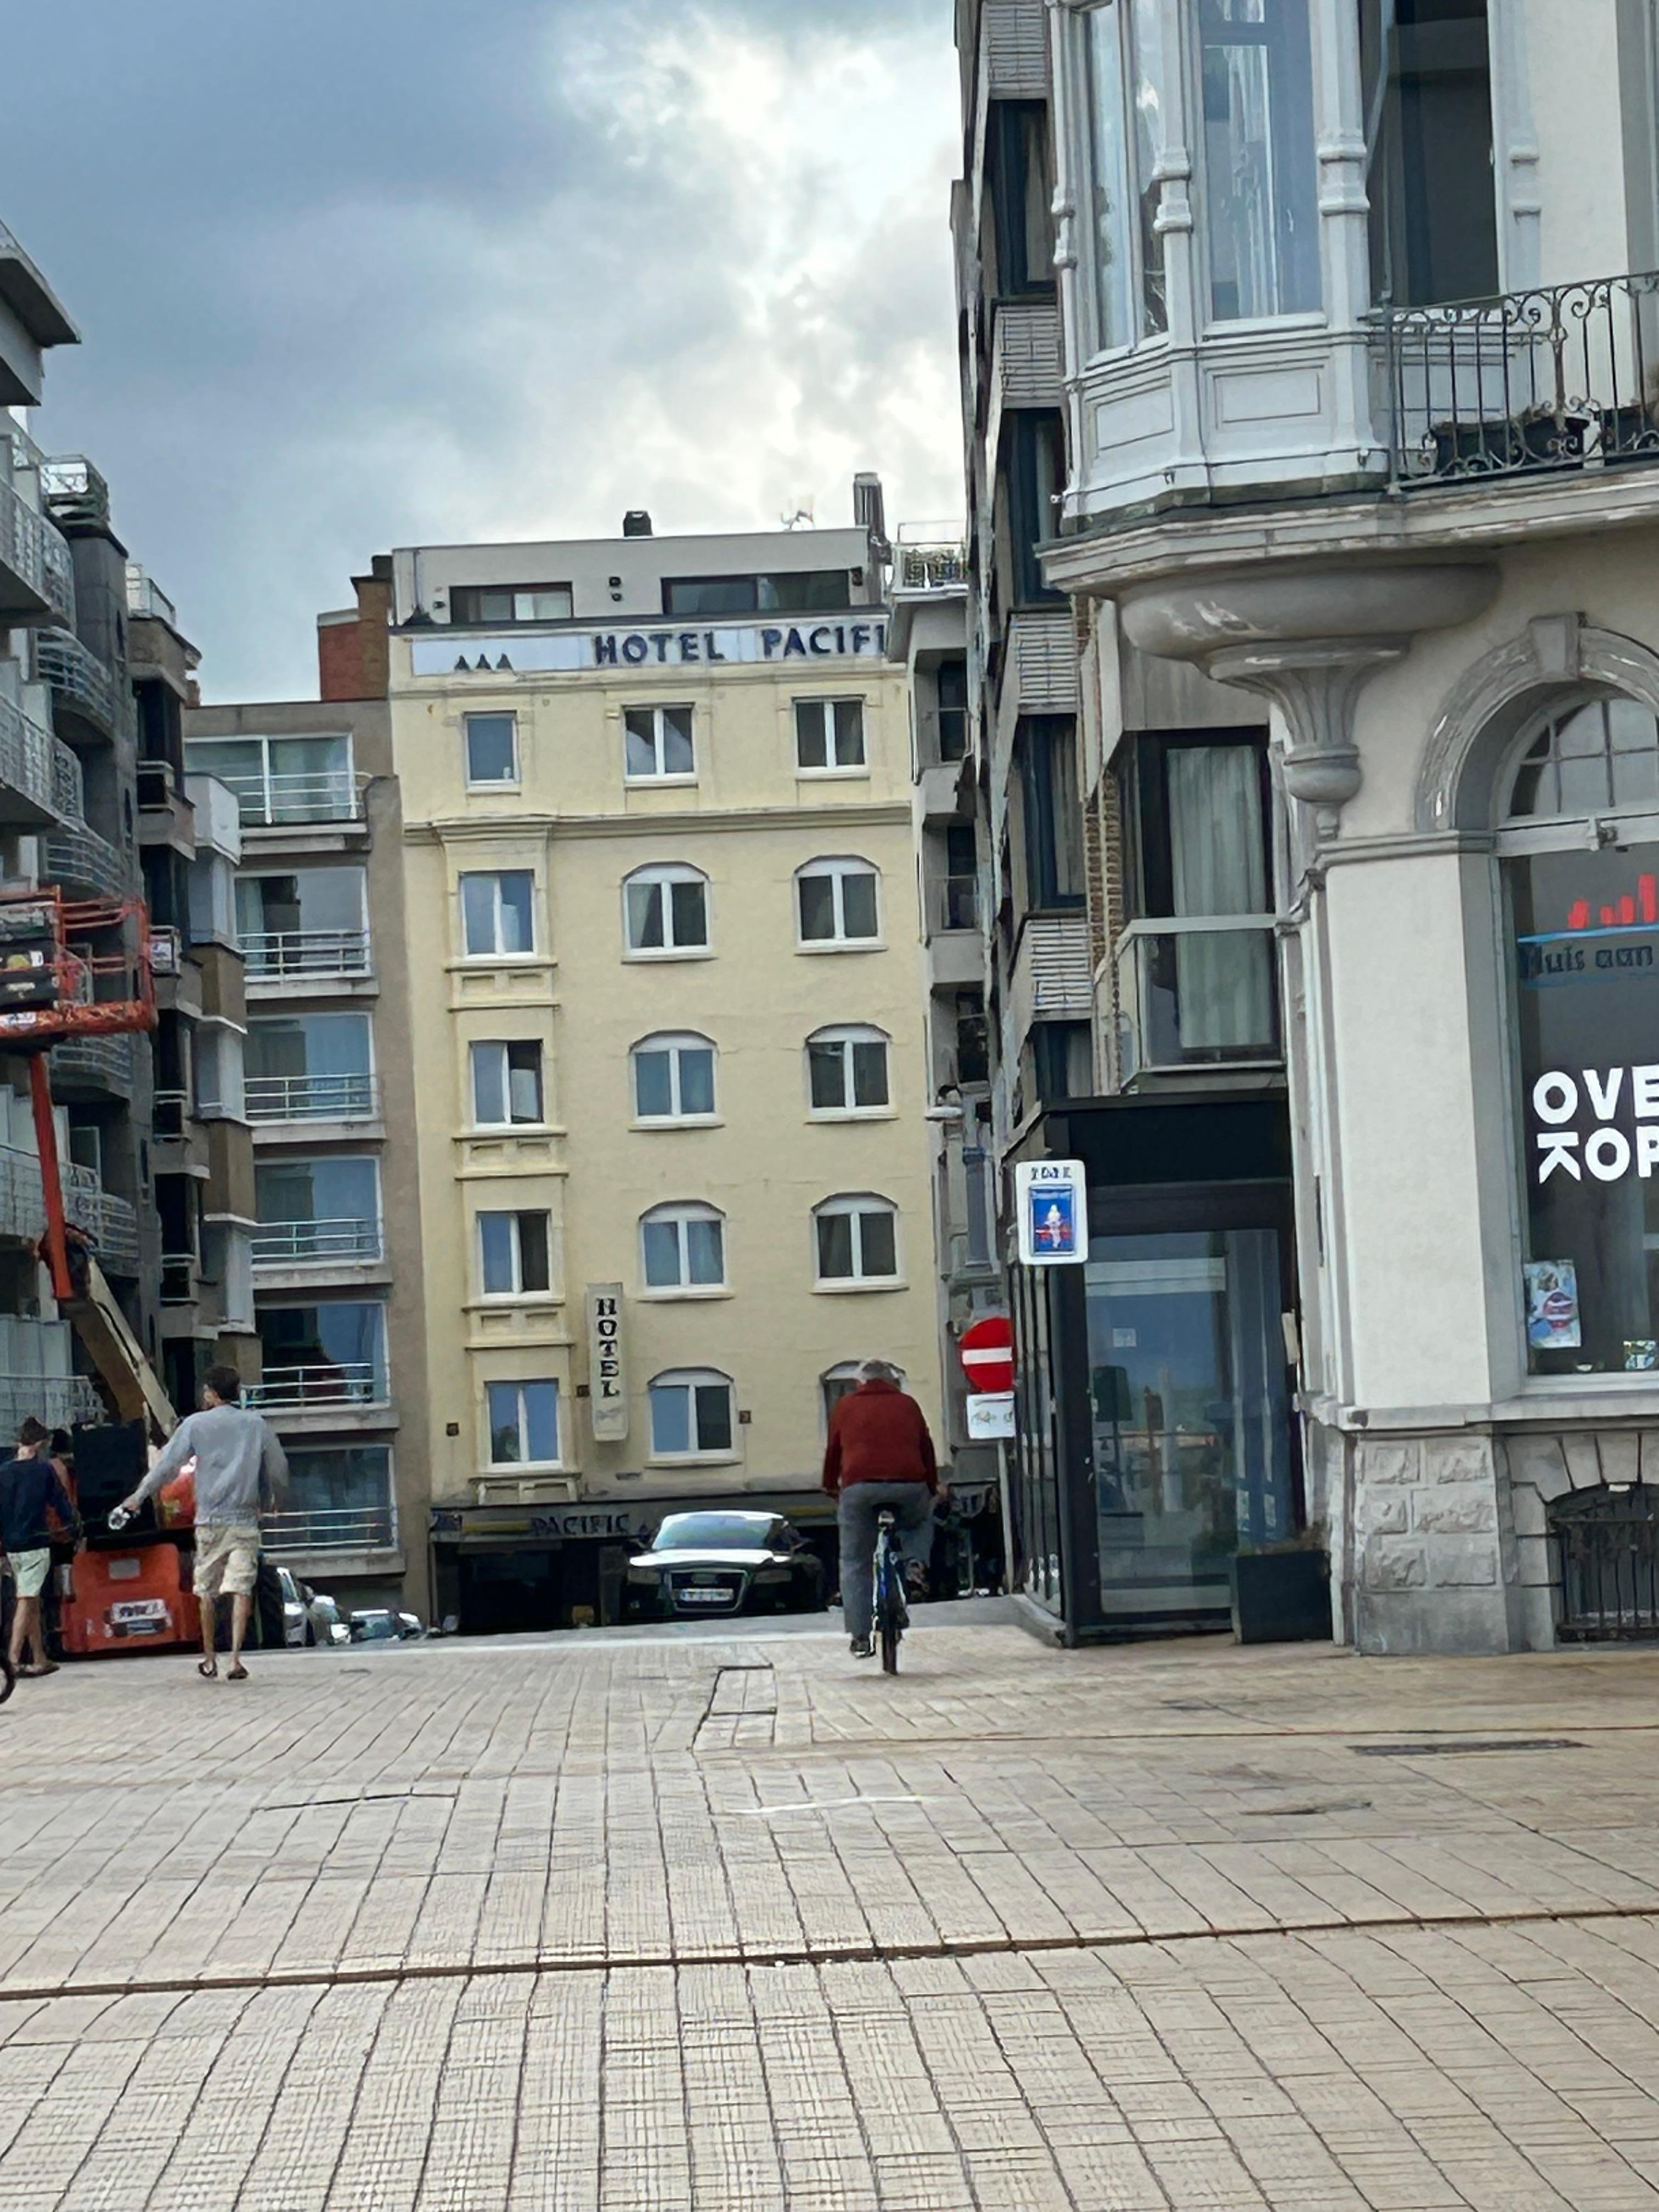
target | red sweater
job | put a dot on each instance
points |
(877, 1434)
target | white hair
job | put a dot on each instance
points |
(879, 1370)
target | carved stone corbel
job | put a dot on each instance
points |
(1314, 687)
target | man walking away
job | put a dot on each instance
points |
(239, 1472)
(30, 1487)
(879, 1458)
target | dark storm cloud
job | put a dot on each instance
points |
(352, 275)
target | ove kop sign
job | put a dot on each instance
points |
(987, 1353)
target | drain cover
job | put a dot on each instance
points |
(1439, 1750)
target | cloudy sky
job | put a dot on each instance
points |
(358, 273)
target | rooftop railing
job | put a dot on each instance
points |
(934, 560)
(74, 489)
(1562, 378)
(145, 597)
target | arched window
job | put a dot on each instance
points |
(837, 903)
(847, 1070)
(682, 1247)
(1591, 757)
(691, 1415)
(673, 1078)
(666, 911)
(1582, 908)
(855, 1239)
(839, 1382)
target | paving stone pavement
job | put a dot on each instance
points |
(604, 1925)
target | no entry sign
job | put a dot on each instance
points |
(986, 1352)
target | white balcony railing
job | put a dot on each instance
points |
(1197, 992)
(331, 795)
(80, 861)
(38, 765)
(314, 1243)
(82, 680)
(104, 1060)
(35, 549)
(313, 1097)
(343, 1528)
(270, 953)
(146, 599)
(337, 1382)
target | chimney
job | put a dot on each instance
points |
(870, 512)
(353, 647)
(636, 523)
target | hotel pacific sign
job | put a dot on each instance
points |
(570, 653)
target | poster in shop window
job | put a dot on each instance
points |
(1553, 1305)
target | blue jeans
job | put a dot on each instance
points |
(911, 1504)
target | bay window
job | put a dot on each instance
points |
(1261, 203)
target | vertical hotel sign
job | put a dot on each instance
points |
(607, 1375)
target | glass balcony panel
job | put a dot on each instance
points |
(1197, 994)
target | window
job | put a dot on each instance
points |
(314, 1210)
(339, 1497)
(857, 1240)
(1062, 1061)
(666, 910)
(1427, 74)
(310, 922)
(1128, 94)
(836, 902)
(1022, 187)
(514, 1254)
(1585, 919)
(810, 591)
(839, 1382)
(950, 685)
(657, 742)
(510, 603)
(829, 734)
(323, 1355)
(1037, 477)
(492, 748)
(524, 1423)
(1261, 214)
(682, 1247)
(310, 1067)
(692, 1416)
(973, 1038)
(673, 1078)
(277, 779)
(847, 1071)
(498, 912)
(506, 1084)
(1053, 811)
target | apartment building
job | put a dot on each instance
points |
(1354, 525)
(927, 636)
(328, 1087)
(661, 915)
(93, 676)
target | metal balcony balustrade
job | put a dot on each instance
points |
(1197, 992)
(332, 794)
(341, 1528)
(315, 1243)
(106, 1060)
(1564, 377)
(37, 551)
(110, 1222)
(277, 953)
(146, 599)
(81, 861)
(38, 765)
(313, 1097)
(81, 680)
(335, 1382)
(74, 489)
(60, 1400)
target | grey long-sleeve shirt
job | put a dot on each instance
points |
(238, 1463)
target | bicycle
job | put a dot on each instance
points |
(892, 1615)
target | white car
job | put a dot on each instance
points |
(309, 1617)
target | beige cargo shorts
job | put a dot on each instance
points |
(227, 1558)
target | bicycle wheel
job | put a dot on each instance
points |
(890, 1608)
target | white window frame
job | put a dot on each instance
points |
(498, 954)
(673, 1042)
(519, 1386)
(845, 1035)
(825, 707)
(515, 1214)
(663, 874)
(652, 778)
(854, 1204)
(692, 1379)
(679, 1214)
(503, 1046)
(511, 781)
(836, 869)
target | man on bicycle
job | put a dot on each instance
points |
(879, 1457)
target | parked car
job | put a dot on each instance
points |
(308, 1617)
(378, 1624)
(295, 1619)
(325, 1622)
(701, 1565)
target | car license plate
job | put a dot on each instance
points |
(136, 1611)
(696, 1596)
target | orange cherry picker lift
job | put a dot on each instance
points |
(74, 968)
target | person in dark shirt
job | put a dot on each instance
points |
(30, 1487)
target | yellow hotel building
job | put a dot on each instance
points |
(668, 1031)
